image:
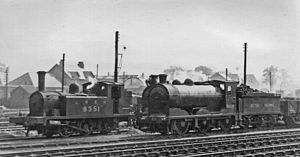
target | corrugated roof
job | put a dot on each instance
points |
(22, 80)
(75, 72)
(133, 83)
(230, 77)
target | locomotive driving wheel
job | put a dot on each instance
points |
(48, 133)
(87, 130)
(180, 126)
(225, 125)
(66, 131)
(204, 126)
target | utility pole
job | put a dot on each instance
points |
(245, 63)
(97, 71)
(116, 56)
(6, 86)
(63, 73)
(270, 74)
(226, 74)
(123, 76)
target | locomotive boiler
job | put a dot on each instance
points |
(98, 109)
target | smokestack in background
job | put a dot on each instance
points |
(162, 78)
(41, 77)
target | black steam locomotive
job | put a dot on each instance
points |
(98, 109)
(202, 106)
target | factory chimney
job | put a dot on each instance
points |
(41, 78)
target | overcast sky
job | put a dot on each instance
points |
(158, 33)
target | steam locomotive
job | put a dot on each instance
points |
(203, 106)
(98, 109)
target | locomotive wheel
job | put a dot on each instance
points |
(270, 121)
(48, 134)
(163, 129)
(65, 131)
(204, 127)
(87, 129)
(180, 126)
(245, 124)
(225, 125)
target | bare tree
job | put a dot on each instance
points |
(270, 76)
(205, 70)
(172, 70)
(284, 79)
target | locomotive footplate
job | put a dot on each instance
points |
(203, 116)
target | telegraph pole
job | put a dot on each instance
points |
(245, 63)
(63, 73)
(6, 86)
(116, 56)
(270, 75)
(97, 71)
(226, 74)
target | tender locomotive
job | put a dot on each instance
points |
(202, 106)
(98, 109)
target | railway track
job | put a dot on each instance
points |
(251, 144)
(8, 128)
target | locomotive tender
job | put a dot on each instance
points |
(202, 106)
(98, 109)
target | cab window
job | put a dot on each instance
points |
(103, 90)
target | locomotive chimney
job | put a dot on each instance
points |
(162, 78)
(153, 79)
(41, 77)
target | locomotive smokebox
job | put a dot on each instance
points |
(41, 77)
(162, 78)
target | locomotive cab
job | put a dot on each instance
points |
(115, 93)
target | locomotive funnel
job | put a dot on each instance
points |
(153, 79)
(41, 77)
(162, 78)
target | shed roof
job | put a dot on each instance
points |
(50, 81)
(31, 78)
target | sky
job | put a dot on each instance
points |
(157, 34)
